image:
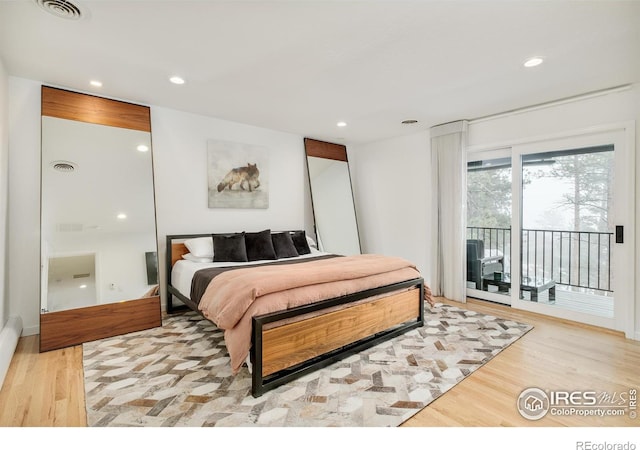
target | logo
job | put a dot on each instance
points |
(533, 404)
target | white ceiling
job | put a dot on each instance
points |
(301, 66)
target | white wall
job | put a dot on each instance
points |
(24, 202)
(612, 108)
(179, 156)
(10, 326)
(392, 196)
(4, 193)
(615, 107)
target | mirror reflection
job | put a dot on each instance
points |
(333, 208)
(98, 217)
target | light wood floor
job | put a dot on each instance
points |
(46, 389)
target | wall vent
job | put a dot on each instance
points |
(64, 166)
(60, 8)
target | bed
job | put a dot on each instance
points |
(287, 308)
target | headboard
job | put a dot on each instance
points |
(175, 250)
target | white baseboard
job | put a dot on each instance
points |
(9, 336)
(30, 331)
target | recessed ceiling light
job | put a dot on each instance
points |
(142, 148)
(176, 80)
(342, 124)
(532, 62)
(83, 286)
(409, 121)
(95, 83)
(122, 216)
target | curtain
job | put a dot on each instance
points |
(449, 205)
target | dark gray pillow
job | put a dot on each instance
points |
(300, 241)
(229, 248)
(259, 246)
(284, 246)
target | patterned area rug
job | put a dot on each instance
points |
(179, 375)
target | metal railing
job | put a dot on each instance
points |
(572, 258)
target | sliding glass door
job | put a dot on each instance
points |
(575, 202)
(488, 240)
(550, 228)
(567, 243)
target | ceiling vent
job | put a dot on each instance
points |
(63, 166)
(60, 8)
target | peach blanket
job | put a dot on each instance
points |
(233, 298)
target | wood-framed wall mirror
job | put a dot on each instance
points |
(334, 211)
(98, 224)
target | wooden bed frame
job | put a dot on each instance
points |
(288, 344)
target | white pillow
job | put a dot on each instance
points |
(200, 259)
(200, 247)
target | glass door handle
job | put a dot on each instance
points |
(619, 234)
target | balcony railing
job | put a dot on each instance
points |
(571, 258)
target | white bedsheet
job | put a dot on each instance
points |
(183, 270)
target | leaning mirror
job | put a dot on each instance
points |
(98, 229)
(332, 198)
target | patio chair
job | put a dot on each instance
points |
(479, 264)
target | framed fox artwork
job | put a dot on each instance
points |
(237, 175)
